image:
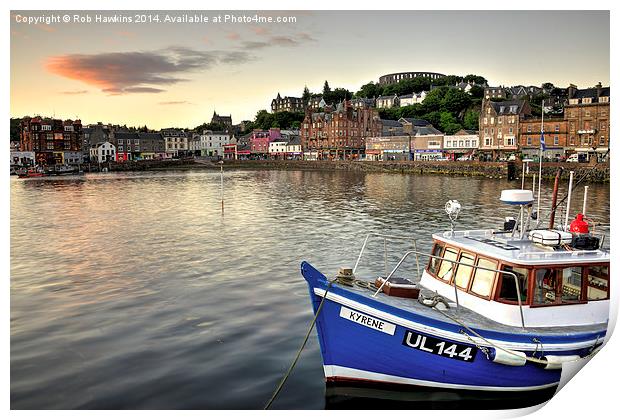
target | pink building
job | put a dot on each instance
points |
(259, 142)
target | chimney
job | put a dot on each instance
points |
(598, 89)
(571, 90)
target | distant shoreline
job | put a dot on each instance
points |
(499, 170)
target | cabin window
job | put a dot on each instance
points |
(434, 264)
(598, 283)
(482, 284)
(546, 286)
(463, 272)
(508, 288)
(445, 268)
(571, 284)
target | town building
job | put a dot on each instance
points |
(499, 127)
(462, 144)
(103, 152)
(409, 124)
(363, 103)
(493, 93)
(95, 133)
(277, 149)
(212, 143)
(127, 144)
(288, 103)
(411, 99)
(225, 121)
(339, 134)
(150, 146)
(293, 148)
(556, 133)
(388, 148)
(177, 142)
(388, 79)
(260, 139)
(316, 102)
(427, 143)
(392, 128)
(387, 101)
(50, 138)
(587, 116)
(19, 158)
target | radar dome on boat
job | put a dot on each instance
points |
(517, 197)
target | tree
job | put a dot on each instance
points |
(455, 101)
(326, 89)
(479, 80)
(471, 119)
(476, 91)
(369, 90)
(548, 86)
(306, 96)
(433, 101)
(448, 123)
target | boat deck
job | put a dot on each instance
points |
(469, 317)
(504, 247)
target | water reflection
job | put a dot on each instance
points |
(132, 290)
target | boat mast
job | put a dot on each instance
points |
(540, 150)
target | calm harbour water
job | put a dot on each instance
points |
(134, 291)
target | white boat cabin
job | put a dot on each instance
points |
(556, 287)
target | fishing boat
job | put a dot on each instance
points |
(30, 173)
(487, 314)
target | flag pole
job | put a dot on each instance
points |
(540, 156)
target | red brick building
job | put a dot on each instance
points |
(556, 135)
(499, 127)
(50, 139)
(587, 117)
(339, 134)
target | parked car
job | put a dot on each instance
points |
(573, 158)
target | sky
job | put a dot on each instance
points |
(176, 74)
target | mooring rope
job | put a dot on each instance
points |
(303, 344)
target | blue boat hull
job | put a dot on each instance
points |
(372, 352)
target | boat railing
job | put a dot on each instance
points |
(385, 252)
(454, 265)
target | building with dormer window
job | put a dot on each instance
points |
(499, 127)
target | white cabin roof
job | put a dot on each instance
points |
(502, 246)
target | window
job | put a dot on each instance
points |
(598, 283)
(557, 127)
(571, 284)
(434, 263)
(602, 141)
(463, 272)
(556, 140)
(445, 268)
(482, 284)
(529, 141)
(508, 288)
(545, 286)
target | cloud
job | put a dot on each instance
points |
(233, 36)
(175, 103)
(120, 73)
(74, 92)
(261, 30)
(278, 40)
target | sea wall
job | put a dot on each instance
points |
(595, 172)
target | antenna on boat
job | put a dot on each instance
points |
(453, 209)
(540, 157)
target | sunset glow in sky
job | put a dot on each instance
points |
(177, 74)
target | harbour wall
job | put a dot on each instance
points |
(501, 170)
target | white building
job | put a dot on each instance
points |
(414, 98)
(277, 148)
(461, 144)
(103, 152)
(212, 143)
(387, 101)
(23, 158)
(175, 141)
(293, 149)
